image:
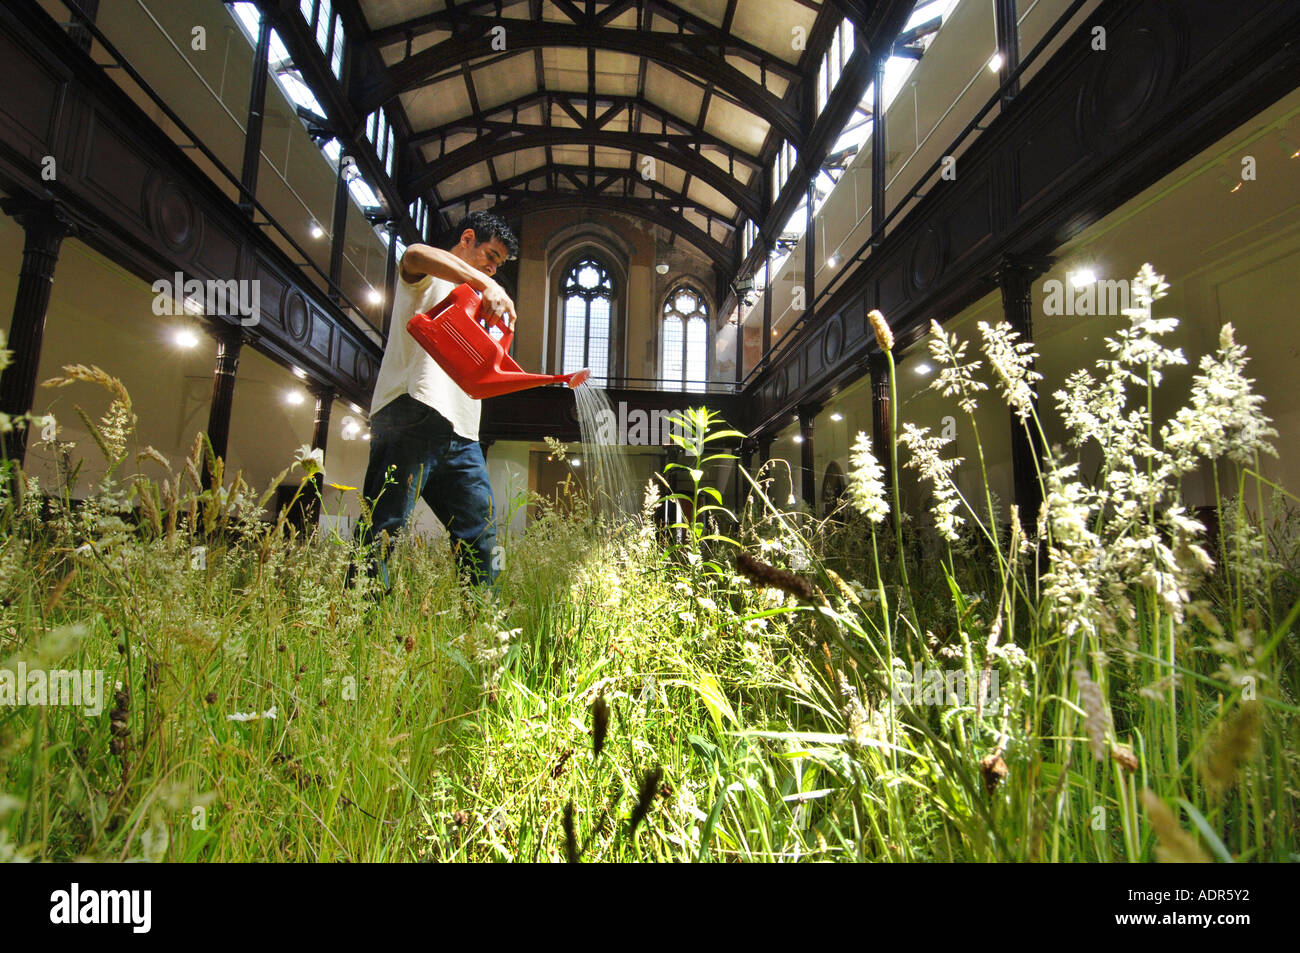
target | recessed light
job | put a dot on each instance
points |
(294, 397)
(833, 261)
(186, 338)
(923, 368)
(995, 63)
(317, 231)
(366, 435)
(837, 416)
(1082, 277)
(375, 295)
(575, 462)
(798, 438)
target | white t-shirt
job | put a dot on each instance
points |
(408, 369)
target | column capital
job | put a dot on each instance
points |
(1021, 267)
(36, 213)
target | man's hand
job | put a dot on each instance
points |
(497, 302)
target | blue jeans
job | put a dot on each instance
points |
(428, 460)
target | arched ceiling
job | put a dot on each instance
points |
(665, 109)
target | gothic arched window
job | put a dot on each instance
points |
(588, 309)
(684, 341)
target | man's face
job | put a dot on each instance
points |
(486, 256)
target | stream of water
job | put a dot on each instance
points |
(606, 472)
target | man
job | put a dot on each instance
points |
(423, 427)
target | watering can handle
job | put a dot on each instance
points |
(496, 320)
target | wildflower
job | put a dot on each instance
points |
(866, 481)
(1012, 362)
(956, 376)
(312, 461)
(269, 715)
(884, 336)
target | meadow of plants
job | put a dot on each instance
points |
(1114, 682)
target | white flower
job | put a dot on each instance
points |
(866, 481)
(956, 377)
(269, 714)
(938, 471)
(313, 461)
(1012, 363)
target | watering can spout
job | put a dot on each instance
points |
(453, 334)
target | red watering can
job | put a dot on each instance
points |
(453, 333)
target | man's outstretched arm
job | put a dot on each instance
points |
(421, 260)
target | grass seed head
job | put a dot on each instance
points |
(757, 571)
(599, 724)
(1232, 744)
(645, 797)
(884, 336)
(1176, 845)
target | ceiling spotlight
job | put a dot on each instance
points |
(366, 435)
(575, 462)
(375, 295)
(662, 267)
(833, 261)
(184, 337)
(294, 397)
(995, 63)
(317, 231)
(1082, 277)
(923, 368)
(798, 438)
(837, 416)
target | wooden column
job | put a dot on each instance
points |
(230, 340)
(878, 151)
(807, 459)
(881, 433)
(256, 110)
(45, 225)
(1015, 277)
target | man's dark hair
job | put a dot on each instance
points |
(487, 227)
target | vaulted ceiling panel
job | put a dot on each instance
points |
(690, 91)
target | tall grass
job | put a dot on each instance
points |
(734, 687)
